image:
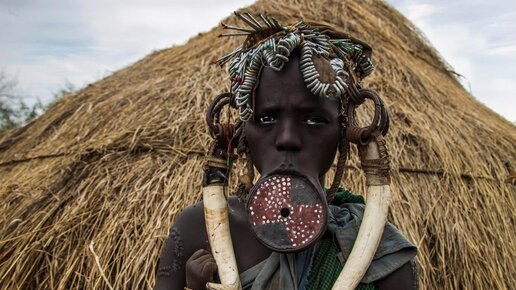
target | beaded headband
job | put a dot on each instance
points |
(269, 44)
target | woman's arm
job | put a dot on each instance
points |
(170, 274)
(185, 253)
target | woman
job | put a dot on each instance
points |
(296, 89)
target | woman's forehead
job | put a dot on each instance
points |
(288, 78)
(287, 88)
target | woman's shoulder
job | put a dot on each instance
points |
(190, 213)
(190, 229)
(190, 221)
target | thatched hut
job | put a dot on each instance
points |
(90, 189)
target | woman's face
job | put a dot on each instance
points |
(292, 129)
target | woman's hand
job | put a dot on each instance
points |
(200, 268)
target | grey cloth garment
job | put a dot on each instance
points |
(290, 271)
(393, 251)
(247, 278)
(280, 271)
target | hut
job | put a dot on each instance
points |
(90, 189)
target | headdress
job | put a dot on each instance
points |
(270, 44)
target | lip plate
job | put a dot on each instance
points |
(309, 213)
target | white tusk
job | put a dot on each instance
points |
(373, 222)
(216, 286)
(219, 236)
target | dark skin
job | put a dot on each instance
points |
(291, 130)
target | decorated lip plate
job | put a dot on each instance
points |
(286, 212)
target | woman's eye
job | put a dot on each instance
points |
(264, 120)
(314, 121)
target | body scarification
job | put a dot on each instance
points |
(174, 241)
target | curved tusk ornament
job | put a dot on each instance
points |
(219, 236)
(372, 156)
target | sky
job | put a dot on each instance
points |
(45, 44)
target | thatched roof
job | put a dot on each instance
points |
(90, 189)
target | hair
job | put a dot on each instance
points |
(331, 63)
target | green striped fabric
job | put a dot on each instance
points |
(326, 265)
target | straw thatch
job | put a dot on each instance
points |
(90, 189)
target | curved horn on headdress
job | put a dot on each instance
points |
(375, 162)
(214, 199)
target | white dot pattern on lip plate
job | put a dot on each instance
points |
(303, 220)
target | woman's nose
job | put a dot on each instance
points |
(288, 137)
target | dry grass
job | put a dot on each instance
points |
(90, 189)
